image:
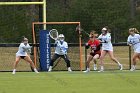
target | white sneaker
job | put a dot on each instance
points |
(13, 72)
(94, 68)
(132, 69)
(50, 69)
(101, 70)
(36, 72)
(121, 67)
(69, 69)
(86, 71)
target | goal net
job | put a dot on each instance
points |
(71, 37)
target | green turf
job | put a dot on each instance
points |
(75, 82)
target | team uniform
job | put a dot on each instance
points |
(23, 49)
(135, 41)
(95, 47)
(107, 47)
(60, 51)
(106, 42)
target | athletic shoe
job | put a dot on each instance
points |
(69, 69)
(121, 67)
(50, 69)
(86, 71)
(132, 69)
(101, 70)
(94, 68)
(13, 72)
(36, 72)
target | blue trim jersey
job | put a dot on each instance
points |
(135, 42)
(61, 47)
(23, 49)
(106, 42)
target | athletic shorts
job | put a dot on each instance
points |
(93, 54)
(22, 57)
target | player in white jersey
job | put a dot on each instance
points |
(107, 48)
(24, 47)
(134, 41)
(60, 51)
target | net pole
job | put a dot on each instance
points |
(80, 46)
(85, 57)
(34, 42)
(44, 13)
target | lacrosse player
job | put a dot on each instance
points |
(95, 53)
(134, 41)
(107, 48)
(61, 48)
(24, 47)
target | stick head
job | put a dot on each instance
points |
(53, 34)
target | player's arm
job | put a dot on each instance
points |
(129, 42)
(27, 48)
(87, 45)
(100, 39)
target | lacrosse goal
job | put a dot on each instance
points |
(66, 28)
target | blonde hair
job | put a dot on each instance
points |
(93, 33)
(134, 30)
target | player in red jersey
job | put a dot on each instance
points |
(95, 53)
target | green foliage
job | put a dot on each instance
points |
(93, 14)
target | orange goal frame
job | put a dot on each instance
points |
(53, 23)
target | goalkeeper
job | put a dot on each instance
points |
(22, 54)
(61, 48)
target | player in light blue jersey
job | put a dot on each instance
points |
(60, 51)
(134, 41)
(107, 48)
(24, 47)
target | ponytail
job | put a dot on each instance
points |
(134, 30)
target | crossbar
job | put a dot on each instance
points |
(21, 3)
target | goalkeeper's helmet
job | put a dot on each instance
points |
(104, 30)
(61, 37)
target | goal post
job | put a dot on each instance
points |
(55, 23)
(43, 3)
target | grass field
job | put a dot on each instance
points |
(75, 82)
(7, 58)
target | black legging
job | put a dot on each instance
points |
(56, 56)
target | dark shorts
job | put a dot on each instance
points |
(93, 54)
(22, 57)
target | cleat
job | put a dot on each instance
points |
(121, 67)
(95, 68)
(101, 70)
(69, 69)
(50, 69)
(86, 71)
(13, 73)
(132, 69)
